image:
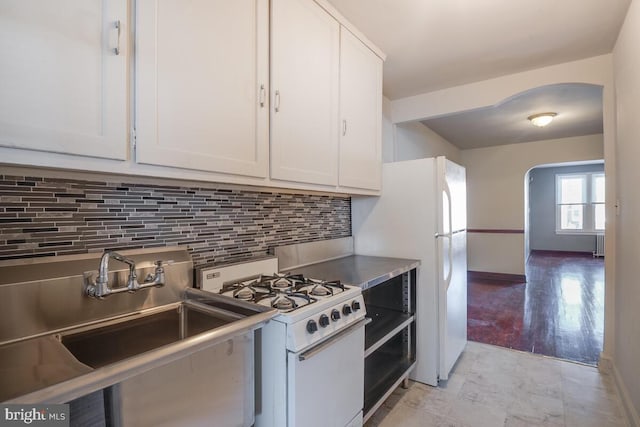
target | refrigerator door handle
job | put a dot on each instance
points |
(441, 237)
(448, 233)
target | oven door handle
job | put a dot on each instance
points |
(324, 344)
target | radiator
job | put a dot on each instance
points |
(599, 245)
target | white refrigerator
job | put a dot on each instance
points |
(421, 214)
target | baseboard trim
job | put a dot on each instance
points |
(630, 411)
(496, 230)
(560, 253)
(500, 277)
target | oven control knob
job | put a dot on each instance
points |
(312, 326)
(346, 310)
(335, 315)
(324, 320)
(355, 305)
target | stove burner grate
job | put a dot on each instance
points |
(246, 291)
(324, 287)
(285, 291)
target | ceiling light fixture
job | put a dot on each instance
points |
(542, 119)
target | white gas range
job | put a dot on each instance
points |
(311, 353)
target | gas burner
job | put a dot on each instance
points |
(286, 301)
(281, 284)
(321, 291)
(323, 288)
(283, 281)
(283, 303)
(245, 294)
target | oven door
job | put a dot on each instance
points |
(326, 382)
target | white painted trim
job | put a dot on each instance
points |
(12, 157)
(605, 364)
(631, 414)
(18, 170)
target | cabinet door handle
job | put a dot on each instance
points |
(344, 127)
(276, 101)
(117, 26)
(262, 95)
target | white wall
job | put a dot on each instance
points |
(597, 70)
(627, 82)
(496, 195)
(409, 141)
(414, 140)
(387, 132)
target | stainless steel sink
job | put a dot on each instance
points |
(108, 342)
(57, 344)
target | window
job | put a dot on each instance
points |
(580, 203)
(597, 199)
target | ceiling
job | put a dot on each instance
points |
(579, 109)
(435, 44)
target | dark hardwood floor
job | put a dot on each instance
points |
(559, 312)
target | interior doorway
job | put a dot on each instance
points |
(559, 310)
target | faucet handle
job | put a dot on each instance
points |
(158, 278)
(160, 263)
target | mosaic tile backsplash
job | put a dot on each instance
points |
(47, 216)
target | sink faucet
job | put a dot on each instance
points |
(100, 287)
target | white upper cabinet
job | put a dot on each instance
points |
(305, 53)
(278, 93)
(361, 114)
(202, 85)
(63, 76)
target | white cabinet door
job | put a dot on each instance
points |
(361, 113)
(305, 44)
(63, 87)
(201, 85)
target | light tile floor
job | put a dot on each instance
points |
(497, 387)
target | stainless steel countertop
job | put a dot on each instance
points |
(358, 270)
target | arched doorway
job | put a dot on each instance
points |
(563, 303)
